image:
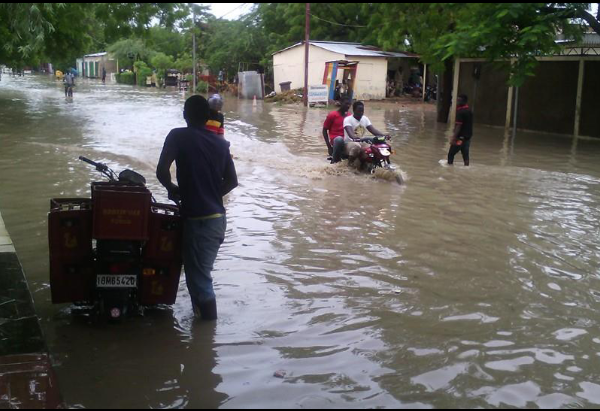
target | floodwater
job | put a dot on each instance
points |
(466, 287)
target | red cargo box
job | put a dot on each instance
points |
(72, 283)
(166, 232)
(70, 229)
(159, 282)
(70, 243)
(120, 211)
(162, 258)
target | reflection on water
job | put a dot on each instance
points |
(467, 287)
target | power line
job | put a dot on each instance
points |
(231, 11)
(337, 24)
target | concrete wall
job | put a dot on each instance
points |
(109, 63)
(590, 109)
(488, 96)
(546, 101)
(27, 380)
(371, 76)
(289, 66)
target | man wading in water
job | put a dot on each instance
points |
(463, 131)
(205, 173)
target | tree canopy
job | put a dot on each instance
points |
(438, 32)
(42, 32)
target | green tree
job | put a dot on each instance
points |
(270, 27)
(128, 51)
(228, 43)
(122, 20)
(161, 62)
(184, 63)
(32, 32)
(519, 31)
(440, 32)
(283, 23)
(168, 41)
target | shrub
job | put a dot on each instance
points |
(201, 87)
(126, 78)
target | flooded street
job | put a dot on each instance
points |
(466, 287)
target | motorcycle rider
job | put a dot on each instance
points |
(69, 80)
(355, 127)
(333, 130)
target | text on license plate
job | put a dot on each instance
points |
(116, 281)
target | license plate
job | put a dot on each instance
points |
(116, 281)
(384, 151)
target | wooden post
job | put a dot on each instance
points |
(194, 52)
(306, 46)
(516, 113)
(454, 93)
(579, 96)
(509, 104)
(424, 85)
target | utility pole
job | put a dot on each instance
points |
(194, 48)
(515, 113)
(306, 37)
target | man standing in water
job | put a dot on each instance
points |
(205, 173)
(333, 130)
(463, 131)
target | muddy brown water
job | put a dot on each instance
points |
(466, 287)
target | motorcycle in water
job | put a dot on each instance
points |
(375, 157)
(119, 251)
(377, 153)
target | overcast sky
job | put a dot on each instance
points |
(233, 11)
(229, 11)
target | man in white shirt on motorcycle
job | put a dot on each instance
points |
(355, 127)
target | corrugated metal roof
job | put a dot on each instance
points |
(104, 53)
(352, 49)
(588, 40)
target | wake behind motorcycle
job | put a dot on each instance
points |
(118, 251)
(375, 157)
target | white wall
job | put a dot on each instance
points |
(289, 66)
(371, 77)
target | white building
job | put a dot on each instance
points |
(93, 64)
(360, 70)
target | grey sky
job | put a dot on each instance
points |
(229, 11)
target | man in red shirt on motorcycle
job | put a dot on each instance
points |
(333, 130)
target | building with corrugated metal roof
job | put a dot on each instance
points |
(359, 71)
(560, 98)
(93, 64)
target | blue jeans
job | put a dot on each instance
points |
(201, 242)
(339, 149)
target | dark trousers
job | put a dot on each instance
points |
(464, 150)
(339, 148)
